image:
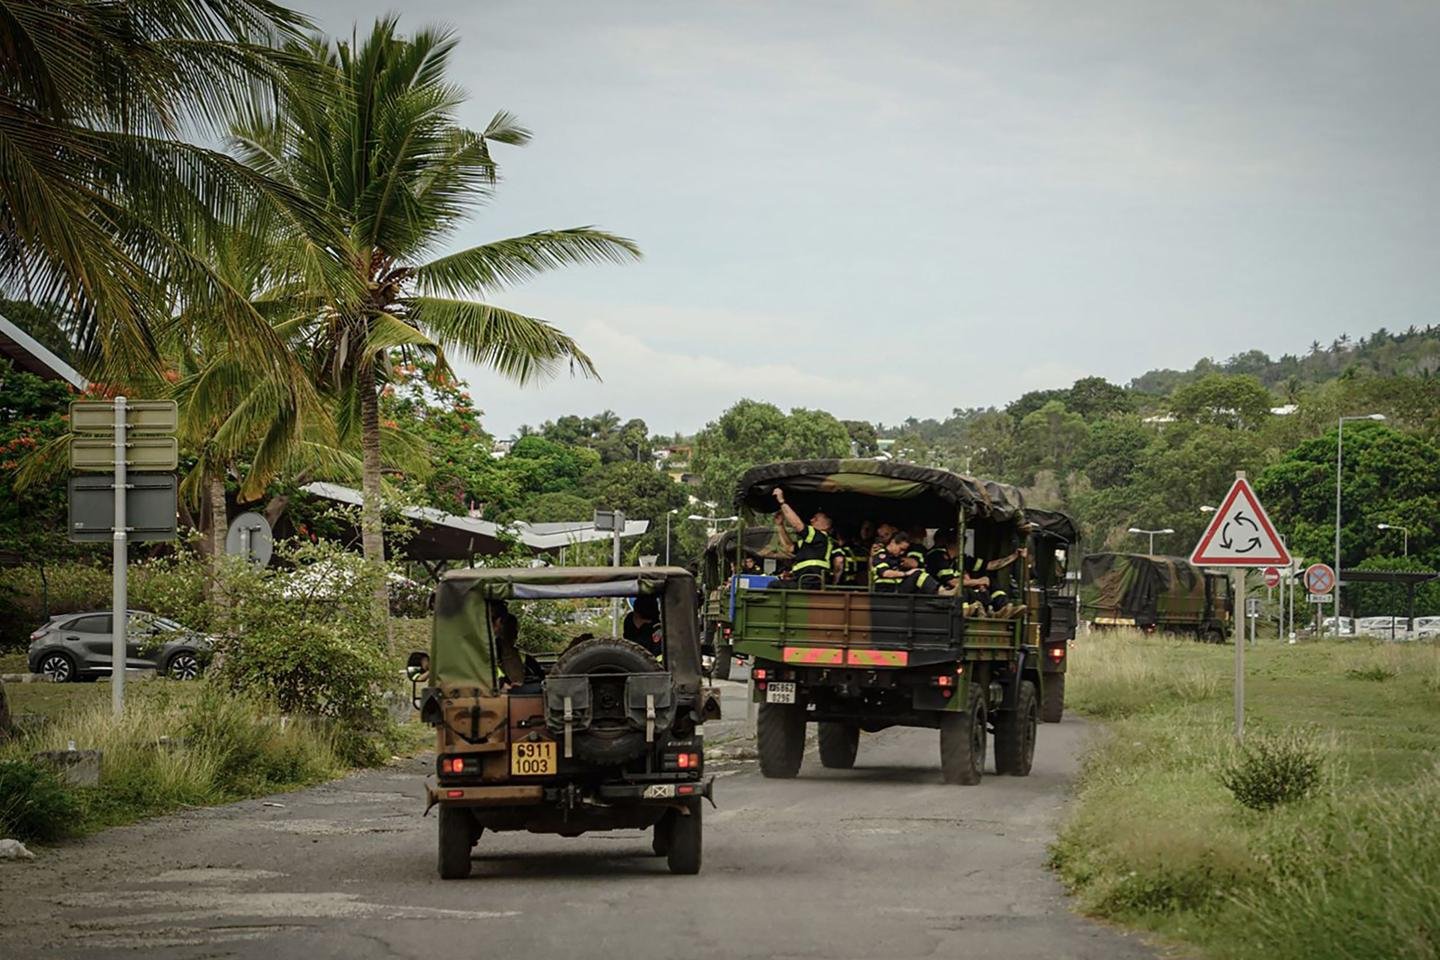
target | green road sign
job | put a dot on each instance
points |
(149, 507)
(97, 417)
(141, 453)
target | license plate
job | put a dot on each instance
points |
(533, 758)
(780, 693)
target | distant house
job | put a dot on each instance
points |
(32, 356)
(674, 460)
(501, 448)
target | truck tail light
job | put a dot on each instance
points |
(457, 765)
(758, 673)
(944, 680)
(1057, 653)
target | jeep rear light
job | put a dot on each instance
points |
(683, 760)
(1057, 653)
(457, 765)
(685, 789)
(454, 794)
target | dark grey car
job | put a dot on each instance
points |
(77, 646)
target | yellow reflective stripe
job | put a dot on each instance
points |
(877, 658)
(813, 655)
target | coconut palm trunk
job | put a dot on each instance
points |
(372, 533)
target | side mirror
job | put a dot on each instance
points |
(417, 666)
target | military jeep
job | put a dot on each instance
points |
(606, 736)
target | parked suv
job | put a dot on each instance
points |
(78, 646)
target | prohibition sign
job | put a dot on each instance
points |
(1319, 578)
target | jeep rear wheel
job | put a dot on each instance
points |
(1052, 702)
(780, 737)
(683, 853)
(458, 833)
(660, 841)
(962, 741)
(1015, 733)
(839, 743)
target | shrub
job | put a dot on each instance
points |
(1269, 770)
(34, 803)
(1376, 673)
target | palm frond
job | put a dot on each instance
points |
(517, 347)
(503, 263)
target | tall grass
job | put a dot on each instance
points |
(177, 745)
(1347, 868)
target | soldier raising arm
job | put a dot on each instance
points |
(814, 549)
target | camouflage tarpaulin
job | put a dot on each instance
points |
(910, 494)
(1054, 523)
(1145, 587)
(761, 542)
(460, 648)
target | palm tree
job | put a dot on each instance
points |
(377, 146)
(99, 195)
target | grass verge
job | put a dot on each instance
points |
(179, 744)
(1344, 865)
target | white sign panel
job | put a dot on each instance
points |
(1240, 534)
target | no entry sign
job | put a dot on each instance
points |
(1272, 577)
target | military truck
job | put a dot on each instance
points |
(1155, 593)
(1053, 599)
(850, 660)
(605, 737)
(723, 557)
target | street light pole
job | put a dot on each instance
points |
(1404, 534)
(1151, 534)
(1339, 462)
(668, 515)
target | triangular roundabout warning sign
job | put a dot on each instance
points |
(1240, 535)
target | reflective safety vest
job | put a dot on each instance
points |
(814, 552)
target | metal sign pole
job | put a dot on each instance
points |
(1240, 656)
(120, 604)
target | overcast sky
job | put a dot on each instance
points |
(889, 209)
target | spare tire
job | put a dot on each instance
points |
(610, 739)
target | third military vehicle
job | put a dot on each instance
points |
(851, 660)
(724, 559)
(1168, 594)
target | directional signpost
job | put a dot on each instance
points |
(113, 437)
(1240, 535)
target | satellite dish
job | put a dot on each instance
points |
(250, 537)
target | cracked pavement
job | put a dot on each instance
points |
(879, 861)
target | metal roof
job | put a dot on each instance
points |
(448, 536)
(32, 356)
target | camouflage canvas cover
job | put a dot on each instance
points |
(1054, 523)
(460, 644)
(1147, 588)
(850, 487)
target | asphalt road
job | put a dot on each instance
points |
(880, 862)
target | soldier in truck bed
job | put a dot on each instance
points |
(814, 550)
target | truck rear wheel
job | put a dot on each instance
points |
(962, 741)
(1052, 706)
(682, 855)
(1015, 733)
(724, 654)
(780, 737)
(839, 743)
(458, 833)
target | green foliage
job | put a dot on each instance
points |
(752, 432)
(308, 641)
(34, 804)
(1226, 401)
(1269, 770)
